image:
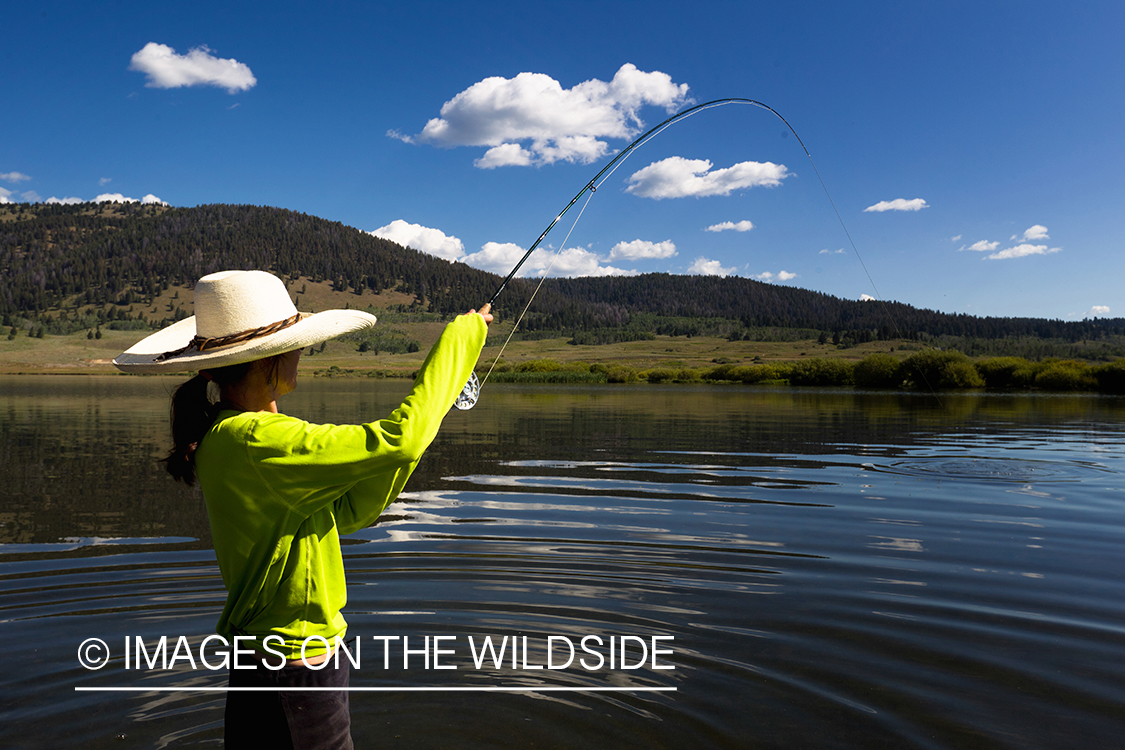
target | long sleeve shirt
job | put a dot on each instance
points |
(279, 492)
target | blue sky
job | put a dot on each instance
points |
(974, 150)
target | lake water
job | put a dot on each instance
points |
(821, 568)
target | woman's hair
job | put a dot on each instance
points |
(193, 413)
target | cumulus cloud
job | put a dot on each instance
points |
(119, 198)
(866, 298)
(704, 267)
(500, 257)
(1037, 232)
(780, 276)
(577, 261)
(428, 240)
(167, 70)
(505, 155)
(742, 226)
(31, 196)
(13, 177)
(677, 177)
(531, 119)
(1023, 250)
(898, 204)
(642, 249)
(1097, 311)
(984, 246)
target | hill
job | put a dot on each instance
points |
(67, 268)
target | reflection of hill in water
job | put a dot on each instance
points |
(78, 459)
(78, 455)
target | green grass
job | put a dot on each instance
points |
(662, 359)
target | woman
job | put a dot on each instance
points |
(280, 491)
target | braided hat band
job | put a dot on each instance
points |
(202, 343)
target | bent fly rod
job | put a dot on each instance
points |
(471, 392)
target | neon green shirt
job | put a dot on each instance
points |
(280, 491)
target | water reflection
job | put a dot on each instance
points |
(837, 569)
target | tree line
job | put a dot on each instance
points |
(120, 254)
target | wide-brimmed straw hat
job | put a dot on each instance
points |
(240, 316)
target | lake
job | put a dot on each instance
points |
(773, 568)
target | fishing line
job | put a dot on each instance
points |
(534, 292)
(471, 393)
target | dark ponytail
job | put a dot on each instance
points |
(193, 412)
(192, 415)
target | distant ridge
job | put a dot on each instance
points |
(99, 254)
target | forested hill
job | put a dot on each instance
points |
(101, 252)
(57, 256)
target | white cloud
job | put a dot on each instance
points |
(898, 204)
(104, 181)
(704, 267)
(119, 198)
(32, 197)
(1023, 250)
(984, 246)
(826, 251)
(742, 226)
(745, 225)
(425, 239)
(13, 177)
(504, 155)
(677, 177)
(780, 276)
(167, 70)
(955, 239)
(577, 261)
(866, 298)
(532, 119)
(1037, 232)
(1097, 311)
(643, 249)
(500, 257)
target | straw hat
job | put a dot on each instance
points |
(240, 316)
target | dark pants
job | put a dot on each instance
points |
(303, 720)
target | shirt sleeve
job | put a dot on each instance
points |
(360, 469)
(414, 425)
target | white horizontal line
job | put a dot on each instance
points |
(501, 689)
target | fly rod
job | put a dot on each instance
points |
(471, 392)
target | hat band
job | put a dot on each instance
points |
(200, 344)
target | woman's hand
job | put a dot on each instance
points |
(484, 312)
